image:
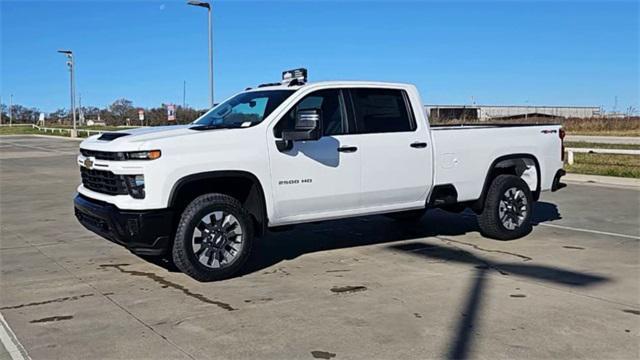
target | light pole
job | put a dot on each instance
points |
(69, 55)
(205, 4)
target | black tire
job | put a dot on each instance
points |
(407, 216)
(491, 225)
(183, 252)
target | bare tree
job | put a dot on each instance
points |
(121, 108)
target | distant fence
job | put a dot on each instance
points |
(571, 151)
(68, 131)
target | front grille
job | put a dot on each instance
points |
(103, 155)
(104, 182)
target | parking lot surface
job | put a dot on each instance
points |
(365, 288)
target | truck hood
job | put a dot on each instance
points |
(133, 139)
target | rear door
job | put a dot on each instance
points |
(394, 148)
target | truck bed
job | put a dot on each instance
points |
(465, 153)
(485, 125)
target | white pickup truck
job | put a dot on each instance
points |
(296, 152)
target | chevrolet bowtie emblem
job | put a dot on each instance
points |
(88, 163)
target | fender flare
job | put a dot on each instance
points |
(488, 177)
(256, 203)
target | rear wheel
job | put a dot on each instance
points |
(507, 209)
(213, 239)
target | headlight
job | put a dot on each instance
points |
(135, 185)
(143, 155)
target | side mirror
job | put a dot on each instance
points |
(307, 128)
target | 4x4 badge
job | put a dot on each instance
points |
(88, 163)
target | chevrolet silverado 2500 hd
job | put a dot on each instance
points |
(296, 152)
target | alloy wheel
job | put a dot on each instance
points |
(512, 209)
(217, 239)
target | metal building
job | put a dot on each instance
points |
(497, 112)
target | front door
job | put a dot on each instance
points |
(316, 179)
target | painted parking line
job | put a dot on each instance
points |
(578, 229)
(591, 231)
(10, 342)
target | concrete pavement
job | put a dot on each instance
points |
(352, 289)
(602, 180)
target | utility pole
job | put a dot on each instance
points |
(69, 55)
(11, 110)
(1, 111)
(184, 94)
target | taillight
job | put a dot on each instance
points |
(561, 134)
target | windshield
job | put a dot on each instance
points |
(243, 110)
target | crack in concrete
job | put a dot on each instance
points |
(317, 354)
(52, 318)
(37, 303)
(169, 284)
(348, 289)
(523, 257)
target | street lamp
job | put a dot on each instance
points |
(205, 4)
(69, 55)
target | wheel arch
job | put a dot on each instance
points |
(512, 164)
(242, 185)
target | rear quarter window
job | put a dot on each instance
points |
(381, 111)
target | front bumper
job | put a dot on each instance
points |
(144, 232)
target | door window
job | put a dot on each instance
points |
(381, 111)
(330, 102)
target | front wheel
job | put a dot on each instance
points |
(213, 239)
(507, 209)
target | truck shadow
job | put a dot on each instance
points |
(278, 246)
(275, 247)
(468, 327)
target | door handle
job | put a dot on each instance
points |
(347, 149)
(418, 145)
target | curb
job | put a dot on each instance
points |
(602, 180)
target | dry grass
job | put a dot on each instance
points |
(605, 164)
(629, 126)
(603, 126)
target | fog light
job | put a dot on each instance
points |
(135, 185)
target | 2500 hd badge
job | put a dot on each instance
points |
(295, 181)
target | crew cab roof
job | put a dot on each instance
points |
(333, 83)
